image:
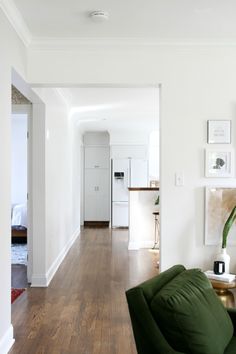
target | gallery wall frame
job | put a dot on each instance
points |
(219, 202)
(219, 163)
(219, 131)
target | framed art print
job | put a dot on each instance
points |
(219, 131)
(219, 202)
(219, 163)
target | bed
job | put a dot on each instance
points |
(19, 220)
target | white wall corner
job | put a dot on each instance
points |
(55, 265)
(43, 280)
(7, 341)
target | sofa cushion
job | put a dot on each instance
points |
(231, 347)
(191, 316)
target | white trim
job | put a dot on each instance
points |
(38, 281)
(15, 18)
(7, 341)
(43, 280)
(146, 244)
(47, 43)
(134, 246)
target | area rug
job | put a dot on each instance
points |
(19, 253)
(15, 293)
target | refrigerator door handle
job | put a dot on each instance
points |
(128, 178)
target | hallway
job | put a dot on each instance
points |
(84, 309)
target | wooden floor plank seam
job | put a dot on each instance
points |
(84, 310)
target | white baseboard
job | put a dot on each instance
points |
(146, 244)
(42, 280)
(7, 341)
(38, 281)
(134, 246)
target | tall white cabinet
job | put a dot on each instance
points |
(96, 177)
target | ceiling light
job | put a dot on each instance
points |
(99, 15)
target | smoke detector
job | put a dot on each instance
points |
(99, 15)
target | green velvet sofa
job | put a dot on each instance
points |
(178, 312)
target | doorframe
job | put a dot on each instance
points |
(37, 273)
(27, 109)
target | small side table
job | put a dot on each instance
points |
(157, 229)
(225, 291)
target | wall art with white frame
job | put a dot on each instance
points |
(219, 131)
(219, 202)
(219, 162)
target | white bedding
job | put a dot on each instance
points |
(19, 215)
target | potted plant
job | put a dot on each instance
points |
(223, 256)
(157, 200)
(227, 227)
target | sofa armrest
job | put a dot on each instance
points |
(148, 337)
(232, 314)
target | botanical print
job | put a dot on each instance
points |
(219, 204)
(219, 163)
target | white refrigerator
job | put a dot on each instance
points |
(126, 173)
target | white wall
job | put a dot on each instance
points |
(154, 153)
(198, 83)
(19, 158)
(62, 180)
(13, 55)
(129, 151)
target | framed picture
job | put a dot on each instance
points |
(219, 163)
(219, 202)
(219, 131)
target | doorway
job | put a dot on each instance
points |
(130, 117)
(20, 180)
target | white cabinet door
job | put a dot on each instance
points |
(96, 157)
(96, 196)
(139, 173)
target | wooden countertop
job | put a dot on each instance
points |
(131, 189)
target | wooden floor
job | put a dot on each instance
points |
(84, 309)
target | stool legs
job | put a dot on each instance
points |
(157, 230)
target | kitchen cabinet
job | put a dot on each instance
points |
(96, 194)
(96, 157)
(96, 180)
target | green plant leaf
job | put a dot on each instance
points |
(157, 200)
(227, 227)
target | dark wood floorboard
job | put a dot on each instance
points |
(84, 309)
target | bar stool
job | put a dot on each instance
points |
(157, 229)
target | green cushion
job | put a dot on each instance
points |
(231, 347)
(191, 316)
(152, 286)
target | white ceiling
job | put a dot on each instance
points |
(161, 20)
(114, 109)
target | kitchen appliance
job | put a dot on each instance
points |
(126, 173)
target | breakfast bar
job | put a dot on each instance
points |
(141, 217)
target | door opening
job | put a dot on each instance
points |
(20, 181)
